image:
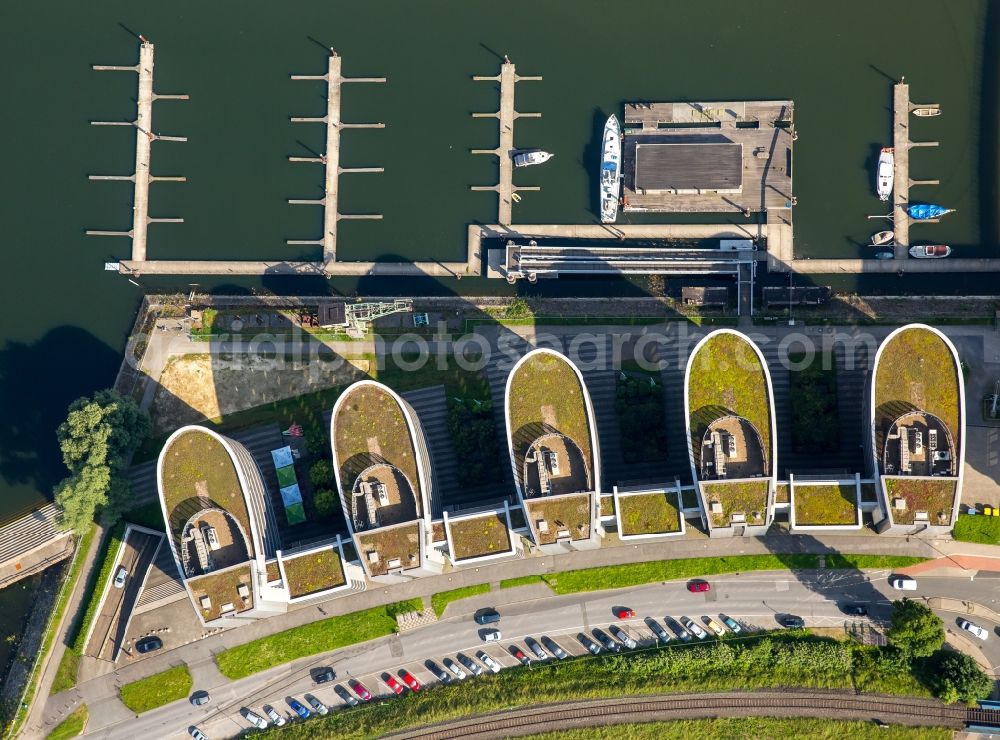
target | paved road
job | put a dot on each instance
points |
(754, 599)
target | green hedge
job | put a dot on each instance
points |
(94, 592)
(156, 690)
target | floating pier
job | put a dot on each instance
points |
(334, 79)
(144, 138)
(505, 189)
(901, 109)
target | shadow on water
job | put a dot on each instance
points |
(37, 382)
(989, 129)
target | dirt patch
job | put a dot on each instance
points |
(549, 417)
(198, 387)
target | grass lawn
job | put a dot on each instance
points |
(196, 466)
(390, 543)
(917, 369)
(978, 528)
(156, 690)
(309, 639)
(314, 572)
(545, 391)
(485, 535)
(744, 497)
(825, 505)
(813, 398)
(521, 581)
(571, 513)
(727, 377)
(370, 428)
(750, 727)
(649, 513)
(441, 600)
(933, 496)
(73, 725)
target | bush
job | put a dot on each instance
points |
(957, 677)
(317, 443)
(474, 436)
(813, 395)
(641, 419)
(326, 503)
(321, 474)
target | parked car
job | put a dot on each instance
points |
(553, 647)
(592, 646)
(534, 647)
(902, 583)
(487, 616)
(120, 576)
(660, 633)
(345, 696)
(858, 610)
(454, 668)
(477, 670)
(359, 689)
(678, 630)
(693, 628)
(488, 661)
(299, 708)
(196, 733)
(439, 673)
(975, 629)
(731, 624)
(696, 587)
(623, 636)
(717, 628)
(606, 641)
(392, 683)
(624, 613)
(491, 636)
(253, 718)
(276, 718)
(149, 644)
(409, 680)
(324, 675)
(200, 698)
(317, 706)
(519, 655)
(791, 621)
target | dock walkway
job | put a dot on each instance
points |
(901, 109)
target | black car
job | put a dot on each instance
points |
(346, 695)
(858, 610)
(470, 664)
(149, 644)
(661, 634)
(534, 647)
(553, 647)
(439, 673)
(324, 675)
(605, 639)
(198, 698)
(592, 646)
(487, 616)
(791, 621)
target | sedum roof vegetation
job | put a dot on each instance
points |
(198, 474)
(545, 393)
(727, 377)
(390, 543)
(935, 496)
(649, 513)
(313, 572)
(743, 497)
(370, 427)
(478, 537)
(917, 370)
(571, 513)
(818, 505)
(221, 588)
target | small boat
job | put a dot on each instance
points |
(884, 256)
(924, 211)
(611, 165)
(882, 237)
(883, 175)
(926, 112)
(930, 251)
(529, 157)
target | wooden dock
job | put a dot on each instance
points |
(901, 109)
(505, 189)
(334, 79)
(144, 138)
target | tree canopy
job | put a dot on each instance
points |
(915, 630)
(957, 677)
(97, 439)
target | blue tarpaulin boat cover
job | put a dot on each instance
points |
(926, 210)
(609, 165)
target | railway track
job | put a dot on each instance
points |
(597, 712)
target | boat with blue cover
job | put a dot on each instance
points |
(924, 211)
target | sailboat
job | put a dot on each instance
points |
(883, 174)
(924, 211)
(611, 165)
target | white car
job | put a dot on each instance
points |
(488, 661)
(454, 668)
(120, 577)
(693, 628)
(272, 715)
(492, 636)
(253, 718)
(903, 583)
(975, 629)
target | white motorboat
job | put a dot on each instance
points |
(883, 176)
(927, 112)
(882, 237)
(611, 166)
(528, 157)
(930, 251)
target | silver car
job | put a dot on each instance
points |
(553, 647)
(488, 661)
(693, 628)
(534, 647)
(623, 636)
(454, 668)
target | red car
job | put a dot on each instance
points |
(698, 586)
(623, 613)
(409, 680)
(360, 690)
(393, 684)
(516, 652)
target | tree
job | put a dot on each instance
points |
(97, 440)
(915, 630)
(956, 676)
(321, 473)
(325, 502)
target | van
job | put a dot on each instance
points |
(903, 583)
(487, 616)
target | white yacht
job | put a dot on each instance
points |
(611, 168)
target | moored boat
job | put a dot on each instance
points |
(924, 211)
(883, 174)
(926, 112)
(882, 237)
(884, 255)
(930, 251)
(611, 163)
(528, 157)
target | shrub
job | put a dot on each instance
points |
(474, 436)
(957, 677)
(317, 443)
(321, 474)
(326, 503)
